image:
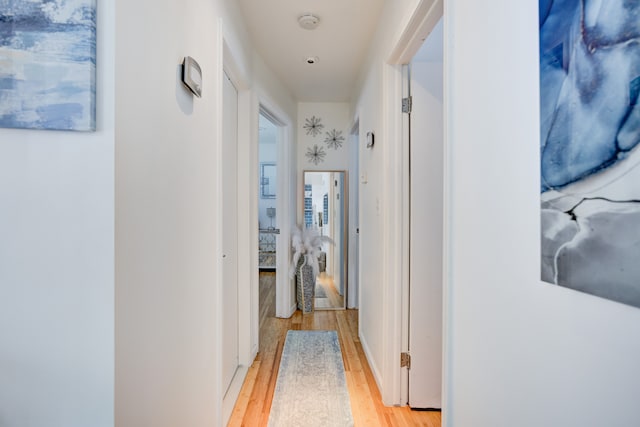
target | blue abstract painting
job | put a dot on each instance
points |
(48, 64)
(589, 146)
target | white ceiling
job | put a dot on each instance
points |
(340, 41)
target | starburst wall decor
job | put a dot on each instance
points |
(313, 126)
(334, 139)
(316, 154)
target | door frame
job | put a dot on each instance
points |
(228, 64)
(396, 332)
(249, 102)
(285, 301)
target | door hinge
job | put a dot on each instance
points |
(405, 360)
(407, 104)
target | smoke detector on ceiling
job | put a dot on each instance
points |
(308, 21)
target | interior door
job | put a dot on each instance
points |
(230, 350)
(426, 234)
(354, 219)
(341, 236)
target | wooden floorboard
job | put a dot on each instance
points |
(254, 402)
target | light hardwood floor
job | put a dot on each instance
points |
(332, 298)
(254, 402)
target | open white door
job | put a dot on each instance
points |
(426, 233)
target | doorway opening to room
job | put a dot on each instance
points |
(269, 139)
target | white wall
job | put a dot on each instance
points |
(56, 266)
(168, 194)
(520, 352)
(541, 354)
(333, 115)
(371, 239)
(380, 169)
(166, 153)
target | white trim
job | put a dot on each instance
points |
(285, 300)
(355, 124)
(423, 20)
(245, 238)
(254, 300)
(360, 212)
(406, 237)
(246, 234)
(395, 329)
(229, 400)
(353, 267)
(292, 309)
(217, 261)
(232, 68)
(447, 227)
(393, 225)
(247, 341)
(374, 368)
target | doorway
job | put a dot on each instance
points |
(274, 207)
(325, 212)
(268, 231)
(269, 140)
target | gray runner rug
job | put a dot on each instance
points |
(311, 389)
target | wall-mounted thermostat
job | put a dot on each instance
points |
(370, 138)
(192, 75)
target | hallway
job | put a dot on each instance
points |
(252, 407)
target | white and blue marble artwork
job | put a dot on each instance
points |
(589, 146)
(48, 64)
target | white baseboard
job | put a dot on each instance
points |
(292, 310)
(374, 368)
(229, 400)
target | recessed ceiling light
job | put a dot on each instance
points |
(308, 21)
(311, 60)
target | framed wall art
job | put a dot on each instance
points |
(589, 147)
(48, 64)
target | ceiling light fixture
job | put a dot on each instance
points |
(311, 60)
(308, 21)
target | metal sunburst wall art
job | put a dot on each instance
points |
(313, 126)
(334, 139)
(315, 154)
